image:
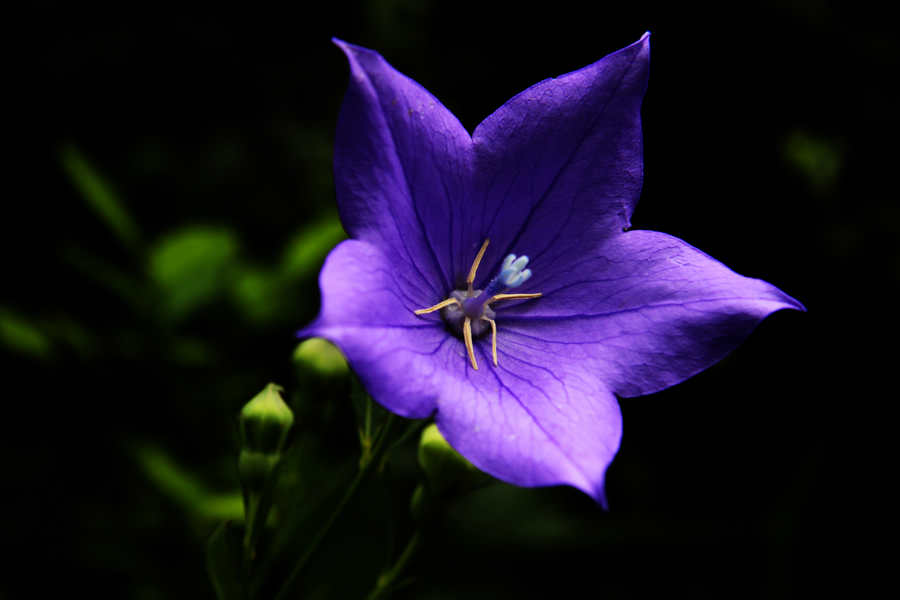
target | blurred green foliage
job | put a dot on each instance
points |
(191, 267)
(303, 254)
(223, 562)
(186, 490)
(99, 196)
(178, 305)
(818, 159)
(19, 335)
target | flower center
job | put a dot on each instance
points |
(456, 313)
(468, 312)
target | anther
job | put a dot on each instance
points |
(438, 306)
(497, 297)
(493, 338)
(475, 264)
(467, 338)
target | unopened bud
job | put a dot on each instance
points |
(321, 356)
(266, 421)
(444, 467)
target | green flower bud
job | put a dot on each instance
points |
(445, 468)
(266, 421)
(321, 356)
(254, 468)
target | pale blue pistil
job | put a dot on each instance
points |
(512, 274)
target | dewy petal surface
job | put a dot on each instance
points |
(644, 312)
(402, 166)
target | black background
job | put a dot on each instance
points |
(757, 478)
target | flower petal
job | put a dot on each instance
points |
(645, 312)
(402, 163)
(560, 165)
(522, 422)
(369, 317)
(531, 422)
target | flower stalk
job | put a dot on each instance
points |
(365, 467)
(386, 581)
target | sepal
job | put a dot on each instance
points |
(265, 421)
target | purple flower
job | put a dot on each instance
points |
(435, 309)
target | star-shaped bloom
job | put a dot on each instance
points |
(491, 280)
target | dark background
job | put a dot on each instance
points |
(132, 336)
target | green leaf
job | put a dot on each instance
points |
(192, 267)
(264, 295)
(20, 336)
(258, 293)
(305, 253)
(185, 489)
(99, 196)
(224, 562)
(102, 272)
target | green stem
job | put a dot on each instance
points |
(364, 470)
(365, 439)
(386, 579)
(411, 429)
(250, 511)
(257, 505)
